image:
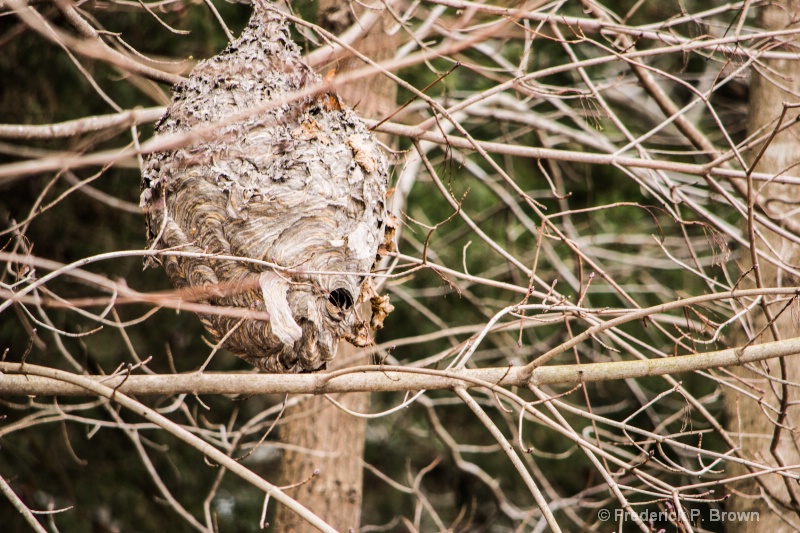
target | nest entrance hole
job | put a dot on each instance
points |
(341, 298)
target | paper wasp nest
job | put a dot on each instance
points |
(297, 183)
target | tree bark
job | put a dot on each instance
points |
(771, 439)
(328, 440)
(330, 443)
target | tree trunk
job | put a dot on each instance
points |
(331, 443)
(329, 440)
(771, 439)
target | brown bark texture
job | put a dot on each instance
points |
(764, 420)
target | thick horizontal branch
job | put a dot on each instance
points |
(91, 386)
(18, 379)
(109, 157)
(591, 158)
(80, 126)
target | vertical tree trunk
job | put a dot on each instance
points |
(332, 443)
(773, 438)
(329, 440)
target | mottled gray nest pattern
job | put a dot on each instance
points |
(300, 184)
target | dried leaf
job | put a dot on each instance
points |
(361, 153)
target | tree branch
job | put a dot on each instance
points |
(79, 126)
(26, 379)
(107, 390)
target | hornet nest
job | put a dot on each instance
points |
(298, 183)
